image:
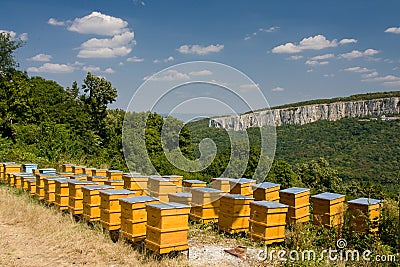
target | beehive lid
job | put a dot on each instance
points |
(265, 185)
(6, 163)
(63, 180)
(238, 196)
(30, 165)
(78, 176)
(53, 178)
(97, 187)
(70, 173)
(168, 206)
(139, 199)
(132, 173)
(158, 178)
(114, 171)
(79, 166)
(207, 190)
(242, 181)
(270, 204)
(73, 181)
(328, 196)
(365, 201)
(182, 194)
(29, 176)
(99, 177)
(22, 173)
(224, 179)
(115, 181)
(48, 175)
(101, 170)
(294, 190)
(194, 182)
(172, 176)
(117, 192)
(49, 170)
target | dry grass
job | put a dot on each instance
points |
(32, 234)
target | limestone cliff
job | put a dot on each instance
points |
(309, 113)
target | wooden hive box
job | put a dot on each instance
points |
(266, 191)
(91, 201)
(67, 167)
(77, 169)
(40, 194)
(11, 168)
(15, 178)
(18, 178)
(75, 196)
(205, 204)
(114, 174)
(194, 183)
(298, 200)
(176, 179)
(110, 209)
(134, 216)
(267, 221)
(32, 187)
(61, 199)
(136, 183)
(118, 184)
(50, 189)
(24, 182)
(65, 174)
(29, 167)
(80, 177)
(328, 209)
(183, 198)
(242, 186)
(234, 213)
(222, 184)
(161, 185)
(167, 227)
(364, 214)
(100, 180)
(2, 169)
(88, 171)
(99, 172)
(47, 171)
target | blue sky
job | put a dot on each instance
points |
(293, 50)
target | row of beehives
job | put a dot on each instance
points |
(120, 204)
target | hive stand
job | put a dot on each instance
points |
(266, 191)
(234, 213)
(40, 194)
(242, 186)
(137, 183)
(328, 209)
(222, 184)
(110, 209)
(91, 201)
(167, 227)
(134, 217)
(61, 193)
(267, 221)
(298, 200)
(75, 196)
(160, 188)
(29, 167)
(114, 174)
(364, 214)
(67, 167)
(100, 180)
(77, 169)
(205, 205)
(50, 189)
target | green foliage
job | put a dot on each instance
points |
(7, 47)
(282, 173)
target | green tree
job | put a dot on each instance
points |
(7, 47)
(282, 173)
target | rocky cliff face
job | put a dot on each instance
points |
(309, 113)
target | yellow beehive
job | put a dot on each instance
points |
(11, 168)
(88, 171)
(50, 189)
(40, 194)
(2, 170)
(24, 182)
(205, 204)
(118, 184)
(160, 188)
(110, 209)
(183, 198)
(77, 169)
(114, 175)
(75, 196)
(100, 180)
(222, 184)
(364, 214)
(167, 227)
(10, 179)
(242, 186)
(298, 200)
(134, 216)
(80, 177)
(99, 172)
(194, 184)
(61, 193)
(176, 179)
(65, 174)
(67, 167)
(91, 201)
(267, 221)
(17, 177)
(32, 187)
(328, 209)
(136, 183)
(266, 191)
(35, 171)
(234, 213)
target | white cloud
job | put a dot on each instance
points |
(310, 70)
(52, 68)
(294, 57)
(394, 83)
(395, 30)
(23, 36)
(347, 41)
(119, 45)
(270, 29)
(200, 73)
(109, 70)
(135, 59)
(100, 24)
(322, 57)
(200, 50)
(247, 38)
(357, 69)
(92, 68)
(169, 75)
(370, 75)
(54, 22)
(121, 63)
(387, 78)
(169, 59)
(13, 34)
(41, 58)
(278, 89)
(156, 61)
(329, 75)
(358, 54)
(316, 63)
